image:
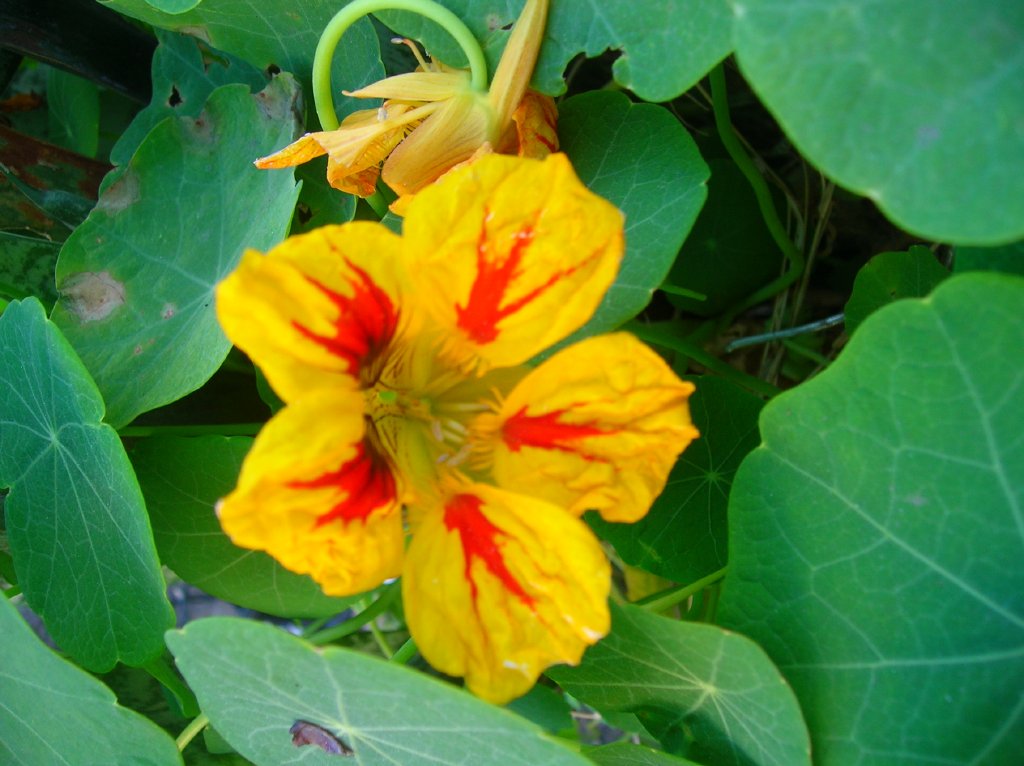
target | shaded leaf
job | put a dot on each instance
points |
(273, 34)
(545, 707)
(684, 535)
(63, 206)
(729, 253)
(182, 478)
(658, 62)
(52, 710)
(75, 520)
(1008, 258)
(27, 267)
(136, 279)
(890, 277)
(255, 682)
(711, 694)
(916, 104)
(640, 158)
(876, 536)
(320, 204)
(74, 112)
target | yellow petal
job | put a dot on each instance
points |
(512, 255)
(447, 137)
(416, 86)
(599, 425)
(535, 124)
(315, 494)
(499, 586)
(319, 310)
(515, 68)
(305, 149)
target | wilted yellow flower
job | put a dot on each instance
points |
(434, 119)
(410, 409)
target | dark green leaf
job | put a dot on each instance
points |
(683, 537)
(876, 536)
(1008, 258)
(27, 267)
(74, 112)
(660, 60)
(76, 523)
(255, 682)
(640, 158)
(66, 207)
(182, 478)
(137, 278)
(729, 253)
(320, 204)
(890, 277)
(55, 713)
(916, 104)
(712, 692)
(545, 707)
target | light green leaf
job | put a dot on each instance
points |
(712, 694)
(255, 681)
(627, 754)
(890, 277)
(184, 76)
(684, 537)
(76, 524)
(273, 34)
(1008, 258)
(74, 114)
(182, 479)
(666, 49)
(640, 158)
(136, 279)
(56, 714)
(917, 104)
(174, 6)
(876, 536)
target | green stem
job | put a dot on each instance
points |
(189, 733)
(795, 259)
(350, 626)
(355, 10)
(162, 671)
(658, 337)
(226, 429)
(405, 653)
(382, 643)
(789, 332)
(667, 599)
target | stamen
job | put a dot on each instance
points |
(415, 52)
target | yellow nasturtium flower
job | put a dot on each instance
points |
(410, 412)
(433, 120)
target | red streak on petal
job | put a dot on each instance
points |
(366, 482)
(365, 325)
(479, 541)
(551, 145)
(546, 431)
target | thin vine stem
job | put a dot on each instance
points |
(350, 626)
(726, 132)
(405, 653)
(189, 732)
(354, 11)
(667, 599)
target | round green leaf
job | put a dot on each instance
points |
(182, 479)
(683, 537)
(75, 519)
(917, 104)
(876, 537)
(640, 158)
(255, 681)
(712, 694)
(137, 278)
(659, 60)
(628, 754)
(51, 710)
(74, 115)
(890, 277)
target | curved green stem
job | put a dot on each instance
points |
(350, 626)
(405, 653)
(189, 733)
(354, 11)
(667, 599)
(795, 259)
